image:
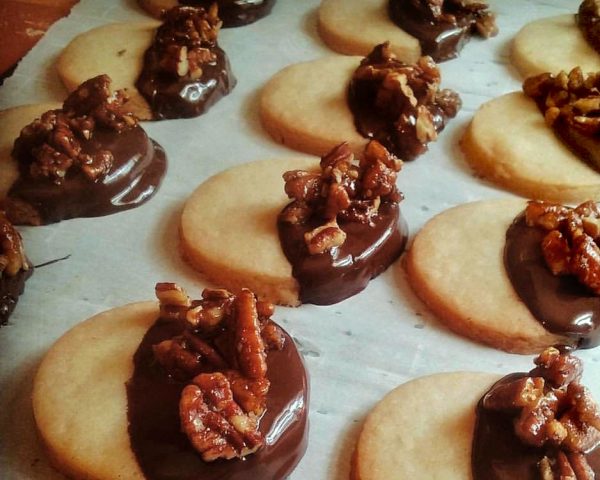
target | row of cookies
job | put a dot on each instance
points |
(204, 202)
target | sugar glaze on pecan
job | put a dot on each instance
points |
(346, 190)
(571, 245)
(551, 410)
(222, 354)
(12, 253)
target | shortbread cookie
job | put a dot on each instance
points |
(13, 120)
(354, 27)
(422, 430)
(509, 143)
(551, 45)
(235, 242)
(455, 265)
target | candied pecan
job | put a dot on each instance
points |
(588, 20)
(250, 394)
(12, 254)
(249, 344)
(324, 238)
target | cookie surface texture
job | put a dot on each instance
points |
(229, 232)
(304, 106)
(456, 266)
(509, 143)
(550, 45)
(13, 120)
(422, 430)
(354, 27)
(115, 49)
(79, 396)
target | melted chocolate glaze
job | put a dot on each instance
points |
(441, 40)
(10, 289)
(236, 13)
(182, 97)
(165, 453)
(560, 303)
(344, 271)
(138, 168)
(497, 452)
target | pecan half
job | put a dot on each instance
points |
(12, 253)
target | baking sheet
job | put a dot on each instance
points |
(355, 351)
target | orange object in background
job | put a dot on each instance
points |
(22, 24)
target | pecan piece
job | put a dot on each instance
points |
(249, 344)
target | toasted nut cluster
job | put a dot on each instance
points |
(447, 11)
(406, 98)
(570, 247)
(222, 352)
(572, 99)
(52, 144)
(183, 42)
(345, 191)
(552, 410)
(12, 254)
(588, 20)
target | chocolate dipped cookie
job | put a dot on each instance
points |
(171, 70)
(208, 388)
(342, 227)
(413, 27)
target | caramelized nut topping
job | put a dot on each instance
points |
(12, 254)
(51, 145)
(588, 20)
(222, 352)
(570, 247)
(345, 191)
(553, 411)
(399, 104)
(184, 39)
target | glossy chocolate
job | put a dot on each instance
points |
(497, 452)
(11, 286)
(344, 271)
(137, 170)
(164, 452)
(440, 39)
(183, 97)
(236, 13)
(560, 303)
(588, 21)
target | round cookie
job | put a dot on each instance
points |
(115, 49)
(550, 45)
(509, 143)
(13, 120)
(455, 265)
(304, 106)
(354, 27)
(415, 432)
(235, 242)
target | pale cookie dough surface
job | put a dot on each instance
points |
(455, 265)
(509, 143)
(79, 395)
(115, 49)
(13, 120)
(304, 106)
(354, 27)
(229, 232)
(551, 45)
(422, 430)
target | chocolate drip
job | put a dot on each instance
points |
(236, 13)
(344, 271)
(164, 452)
(560, 303)
(11, 286)
(137, 170)
(183, 97)
(497, 452)
(442, 39)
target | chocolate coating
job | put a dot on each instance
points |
(164, 452)
(588, 21)
(440, 39)
(136, 173)
(183, 97)
(236, 13)
(10, 289)
(344, 271)
(560, 303)
(497, 452)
